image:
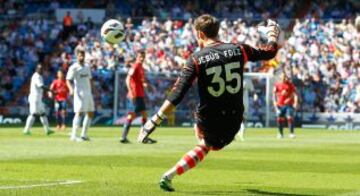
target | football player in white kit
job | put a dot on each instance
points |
(37, 107)
(80, 74)
(248, 86)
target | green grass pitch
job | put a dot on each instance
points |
(317, 162)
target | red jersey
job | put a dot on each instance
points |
(61, 90)
(284, 93)
(137, 78)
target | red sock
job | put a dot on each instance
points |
(189, 160)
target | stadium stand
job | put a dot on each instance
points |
(322, 56)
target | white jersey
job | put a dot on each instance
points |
(36, 91)
(81, 76)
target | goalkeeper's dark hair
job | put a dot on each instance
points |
(207, 24)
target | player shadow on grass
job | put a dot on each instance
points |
(260, 192)
(243, 192)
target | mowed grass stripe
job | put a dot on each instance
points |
(316, 163)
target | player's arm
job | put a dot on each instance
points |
(40, 84)
(52, 89)
(69, 78)
(274, 97)
(180, 88)
(265, 53)
(70, 87)
(127, 82)
(257, 54)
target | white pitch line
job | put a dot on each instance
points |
(66, 182)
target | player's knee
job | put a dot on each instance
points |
(42, 114)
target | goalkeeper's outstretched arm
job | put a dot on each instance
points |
(269, 50)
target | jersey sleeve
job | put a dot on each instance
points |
(184, 82)
(132, 70)
(39, 81)
(275, 87)
(254, 54)
(70, 74)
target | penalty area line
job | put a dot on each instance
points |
(56, 183)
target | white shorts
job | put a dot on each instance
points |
(36, 106)
(83, 103)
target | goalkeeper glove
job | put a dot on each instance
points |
(150, 126)
(269, 31)
(273, 31)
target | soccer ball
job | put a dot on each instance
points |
(112, 31)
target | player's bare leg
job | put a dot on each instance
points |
(75, 126)
(127, 126)
(187, 162)
(86, 125)
(29, 122)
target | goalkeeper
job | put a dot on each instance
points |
(218, 68)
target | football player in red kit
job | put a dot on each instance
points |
(285, 103)
(61, 91)
(135, 83)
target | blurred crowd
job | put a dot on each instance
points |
(321, 56)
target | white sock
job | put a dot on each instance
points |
(45, 123)
(242, 130)
(29, 122)
(85, 126)
(75, 125)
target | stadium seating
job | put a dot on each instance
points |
(309, 55)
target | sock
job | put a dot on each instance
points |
(281, 126)
(291, 125)
(45, 123)
(75, 125)
(126, 128)
(189, 160)
(58, 118)
(86, 125)
(242, 130)
(29, 122)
